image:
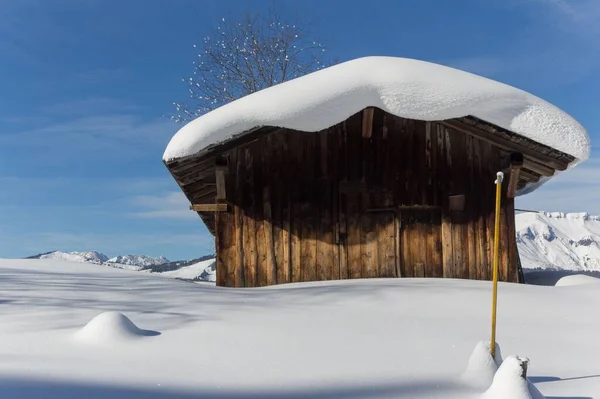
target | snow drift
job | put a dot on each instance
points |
(111, 327)
(404, 87)
(482, 367)
(510, 382)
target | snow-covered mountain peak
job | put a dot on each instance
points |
(556, 240)
(87, 256)
(138, 260)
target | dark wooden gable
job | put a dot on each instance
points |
(196, 174)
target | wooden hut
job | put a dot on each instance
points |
(374, 195)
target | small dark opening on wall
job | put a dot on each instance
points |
(456, 203)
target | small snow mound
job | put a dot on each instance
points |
(511, 381)
(482, 367)
(577, 279)
(110, 327)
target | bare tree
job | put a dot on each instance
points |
(245, 56)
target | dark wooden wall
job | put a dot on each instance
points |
(338, 205)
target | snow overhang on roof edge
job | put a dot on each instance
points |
(403, 87)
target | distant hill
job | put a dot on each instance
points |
(198, 269)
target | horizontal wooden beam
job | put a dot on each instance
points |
(538, 168)
(505, 144)
(209, 207)
(528, 176)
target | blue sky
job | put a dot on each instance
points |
(86, 86)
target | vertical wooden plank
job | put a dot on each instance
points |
(220, 179)
(407, 234)
(420, 243)
(385, 226)
(441, 169)
(343, 236)
(409, 134)
(458, 185)
(249, 223)
(310, 211)
(286, 237)
(429, 243)
(433, 173)
(367, 122)
(260, 177)
(398, 243)
(478, 198)
(353, 238)
(446, 165)
(239, 246)
(503, 248)
(308, 244)
(325, 242)
(221, 264)
(471, 211)
(295, 193)
(436, 258)
(275, 156)
(513, 272)
(334, 159)
(270, 264)
(296, 238)
(386, 239)
(238, 190)
(347, 171)
(368, 245)
(227, 250)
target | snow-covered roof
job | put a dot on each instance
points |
(403, 87)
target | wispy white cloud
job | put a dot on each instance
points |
(170, 205)
(99, 137)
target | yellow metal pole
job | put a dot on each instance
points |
(498, 182)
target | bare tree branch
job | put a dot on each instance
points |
(245, 56)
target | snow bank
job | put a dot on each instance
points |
(111, 327)
(511, 383)
(482, 367)
(577, 279)
(404, 87)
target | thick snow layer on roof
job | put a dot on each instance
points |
(404, 87)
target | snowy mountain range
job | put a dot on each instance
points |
(133, 261)
(76, 256)
(138, 260)
(198, 269)
(559, 241)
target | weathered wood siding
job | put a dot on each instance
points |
(337, 205)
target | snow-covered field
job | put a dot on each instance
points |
(384, 338)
